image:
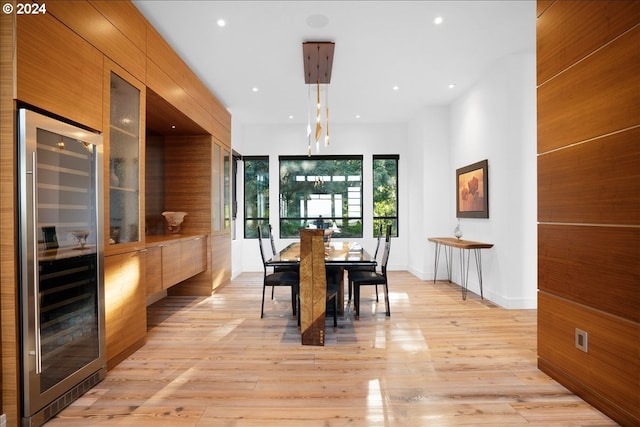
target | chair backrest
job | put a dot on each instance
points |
(264, 259)
(273, 243)
(387, 249)
(385, 257)
(375, 254)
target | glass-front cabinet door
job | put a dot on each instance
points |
(124, 180)
(216, 202)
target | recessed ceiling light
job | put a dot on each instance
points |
(254, 89)
(173, 126)
(357, 116)
(221, 23)
(396, 88)
(317, 21)
(291, 117)
(452, 85)
(438, 20)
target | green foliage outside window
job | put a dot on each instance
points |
(321, 191)
(256, 196)
(385, 193)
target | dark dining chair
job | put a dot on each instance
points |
(274, 251)
(352, 270)
(363, 278)
(288, 278)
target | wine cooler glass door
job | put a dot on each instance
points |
(61, 261)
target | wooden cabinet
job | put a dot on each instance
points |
(171, 261)
(121, 34)
(125, 302)
(124, 160)
(193, 257)
(62, 62)
(58, 70)
(174, 259)
(153, 276)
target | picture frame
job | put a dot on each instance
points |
(472, 190)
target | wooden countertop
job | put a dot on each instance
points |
(160, 239)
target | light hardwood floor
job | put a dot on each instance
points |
(437, 361)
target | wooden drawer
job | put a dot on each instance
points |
(153, 276)
(171, 261)
(193, 257)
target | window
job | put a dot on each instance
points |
(226, 192)
(321, 191)
(234, 191)
(256, 194)
(385, 193)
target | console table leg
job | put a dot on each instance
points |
(464, 273)
(449, 260)
(479, 269)
(435, 266)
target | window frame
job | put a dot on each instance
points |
(262, 221)
(301, 158)
(395, 231)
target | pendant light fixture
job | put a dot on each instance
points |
(318, 60)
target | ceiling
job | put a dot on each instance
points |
(378, 45)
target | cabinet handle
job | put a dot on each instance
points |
(36, 277)
(143, 250)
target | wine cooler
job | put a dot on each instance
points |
(61, 264)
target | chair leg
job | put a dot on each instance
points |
(335, 312)
(377, 293)
(386, 299)
(294, 297)
(356, 300)
(262, 308)
(273, 290)
(350, 289)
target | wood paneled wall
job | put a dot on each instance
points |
(9, 377)
(188, 187)
(588, 57)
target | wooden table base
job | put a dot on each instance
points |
(313, 287)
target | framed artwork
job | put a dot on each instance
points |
(472, 190)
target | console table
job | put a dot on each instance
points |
(463, 245)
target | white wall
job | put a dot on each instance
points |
(274, 140)
(429, 166)
(494, 120)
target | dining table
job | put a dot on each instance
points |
(338, 255)
(320, 261)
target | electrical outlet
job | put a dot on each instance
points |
(582, 340)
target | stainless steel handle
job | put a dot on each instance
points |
(36, 277)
